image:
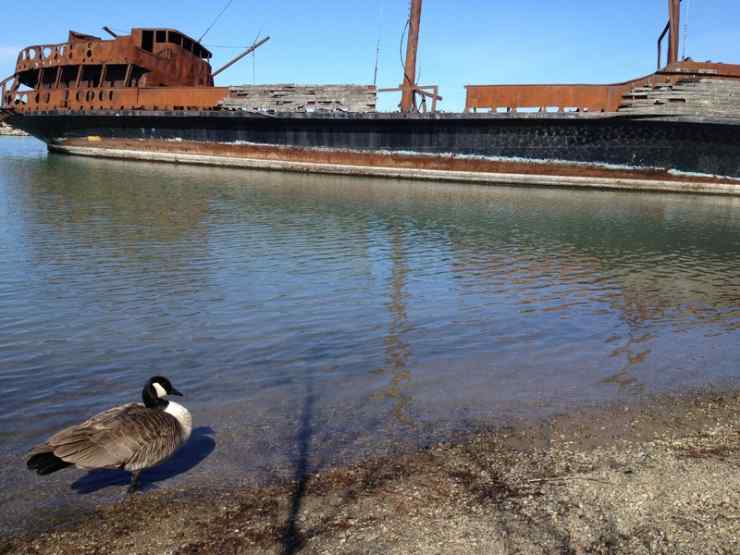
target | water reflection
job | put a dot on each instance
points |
(633, 352)
(397, 350)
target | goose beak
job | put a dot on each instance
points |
(175, 392)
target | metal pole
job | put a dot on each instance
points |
(409, 74)
(660, 43)
(377, 60)
(674, 6)
(247, 52)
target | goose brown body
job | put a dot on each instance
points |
(130, 437)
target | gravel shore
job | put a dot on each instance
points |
(661, 477)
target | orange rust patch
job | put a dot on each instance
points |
(391, 160)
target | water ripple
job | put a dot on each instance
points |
(407, 303)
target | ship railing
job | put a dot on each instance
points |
(543, 98)
(424, 91)
(41, 54)
(6, 92)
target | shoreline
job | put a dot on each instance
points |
(8, 131)
(659, 477)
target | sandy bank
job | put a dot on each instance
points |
(660, 478)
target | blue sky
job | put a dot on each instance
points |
(462, 42)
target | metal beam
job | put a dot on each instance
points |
(660, 44)
(409, 74)
(247, 52)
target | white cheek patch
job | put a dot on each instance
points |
(159, 389)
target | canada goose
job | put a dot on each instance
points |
(131, 437)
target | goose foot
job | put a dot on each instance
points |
(134, 487)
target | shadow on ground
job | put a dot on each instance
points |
(196, 450)
(292, 538)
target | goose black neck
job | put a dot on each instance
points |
(151, 400)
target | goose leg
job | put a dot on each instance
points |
(134, 487)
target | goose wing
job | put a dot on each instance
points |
(130, 436)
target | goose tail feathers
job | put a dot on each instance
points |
(45, 462)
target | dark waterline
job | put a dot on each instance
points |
(327, 318)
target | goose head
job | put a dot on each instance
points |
(156, 389)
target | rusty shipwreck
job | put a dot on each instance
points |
(150, 95)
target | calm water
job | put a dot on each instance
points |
(337, 317)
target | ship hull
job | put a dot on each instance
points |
(653, 151)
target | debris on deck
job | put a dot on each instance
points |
(301, 98)
(706, 97)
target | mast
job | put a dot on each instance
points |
(409, 76)
(674, 8)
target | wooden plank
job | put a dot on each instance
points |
(301, 98)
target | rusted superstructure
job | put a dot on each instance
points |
(148, 69)
(151, 95)
(599, 98)
(589, 98)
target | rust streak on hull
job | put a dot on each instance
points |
(448, 167)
